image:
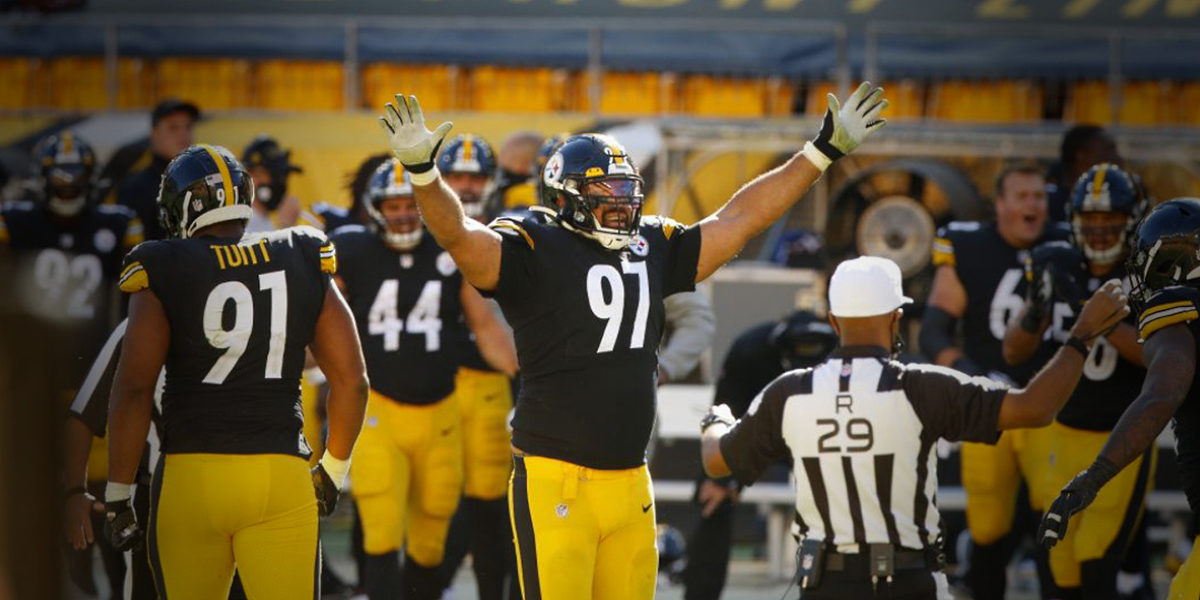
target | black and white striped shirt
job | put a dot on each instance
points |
(861, 429)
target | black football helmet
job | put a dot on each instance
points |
(264, 151)
(389, 180)
(1105, 188)
(471, 154)
(803, 340)
(65, 164)
(575, 176)
(204, 185)
(1166, 250)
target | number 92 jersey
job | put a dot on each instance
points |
(993, 274)
(587, 323)
(408, 307)
(241, 312)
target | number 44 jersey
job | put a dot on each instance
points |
(587, 323)
(408, 307)
(241, 312)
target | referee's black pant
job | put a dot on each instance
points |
(854, 583)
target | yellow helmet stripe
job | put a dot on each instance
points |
(226, 178)
(397, 173)
(68, 141)
(468, 147)
(1098, 181)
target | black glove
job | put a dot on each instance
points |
(121, 526)
(327, 492)
(1076, 496)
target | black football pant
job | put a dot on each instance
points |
(856, 584)
(708, 555)
(481, 527)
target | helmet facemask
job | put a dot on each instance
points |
(400, 242)
(1088, 228)
(66, 190)
(607, 209)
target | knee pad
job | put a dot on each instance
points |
(440, 480)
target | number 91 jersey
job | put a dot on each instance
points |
(408, 307)
(241, 312)
(587, 323)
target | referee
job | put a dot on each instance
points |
(860, 428)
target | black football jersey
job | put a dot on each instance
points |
(241, 313)
(587, 323)
(993, 274)
(408, 309)
(1109, 382)
(65, 272)
(1166, 307)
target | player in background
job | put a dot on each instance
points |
(411, 306)
(485, 399)
(1082, 146)
(270, 166)
(1105, 206)
(332, 217)
(229, 315)
(979, 278)
(1163, 267)
(67, 249)
(583, 290)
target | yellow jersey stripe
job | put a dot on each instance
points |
(136, 281)
(226, 178)
(130, 267)
(1161, 307)
(1154, 325)
(941, 257)
(516, 228)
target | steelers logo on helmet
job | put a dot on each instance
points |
(203, 186)
(1105, 207)
(398, 223)
(595, 188)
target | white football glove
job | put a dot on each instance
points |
(846, 127)
(412, 143)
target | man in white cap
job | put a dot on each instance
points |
(860, 429)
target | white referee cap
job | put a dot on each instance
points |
(865, 287)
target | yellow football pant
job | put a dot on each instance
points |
(991, 477)
(210, 512)
(485, 399)
(583, 533)
(407, 476)
(1186, 583)
(1104, 528)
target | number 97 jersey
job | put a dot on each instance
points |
(587, 323)
(241, 312)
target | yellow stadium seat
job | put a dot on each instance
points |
(1087, 102)
(815, 101)
(781, 96)
(19, 83)
(78, 83)
(906, 99)
(637, 93)
(439, 87)
(520, 89)
(135, 83)
(299, 85)
(1149, 102)
(709, 96)
(212, 83)
(1188, 100)
(1000, 101)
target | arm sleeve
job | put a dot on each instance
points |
(517, 273)
(91, 401)
(952, 405)
(683, 258)
(690, 316)
(937, 331)
(756, 441)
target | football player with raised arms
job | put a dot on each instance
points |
(230, 314)
(1104, 206)
(584, 293)
(1164, 272)
(412, 309)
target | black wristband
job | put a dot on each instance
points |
(1077, 344)
(79, 489)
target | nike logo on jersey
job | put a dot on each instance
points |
(446, 431)
(646, 508)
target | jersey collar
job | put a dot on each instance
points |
(860, 352)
